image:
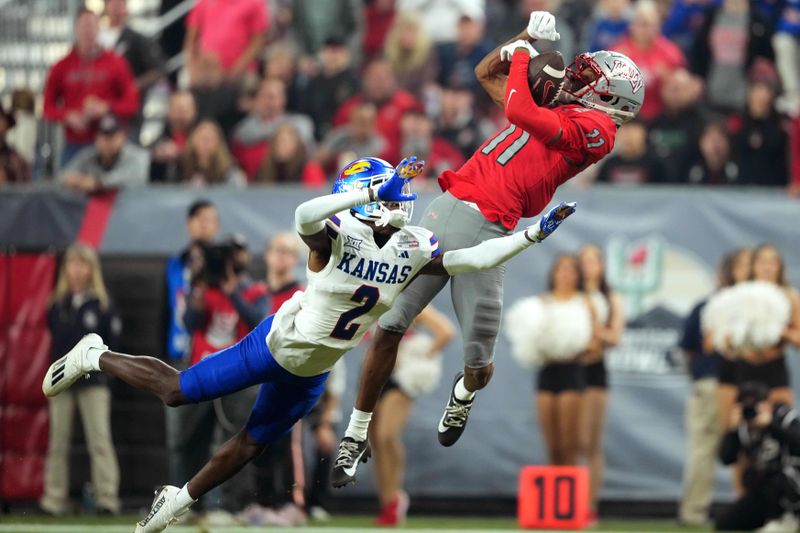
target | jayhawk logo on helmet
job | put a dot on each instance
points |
(369, 172)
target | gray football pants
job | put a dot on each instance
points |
(477, 296)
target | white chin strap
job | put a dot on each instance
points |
(392, 217)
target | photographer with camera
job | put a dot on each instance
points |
(767, 436)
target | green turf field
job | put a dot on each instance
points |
(356, 524)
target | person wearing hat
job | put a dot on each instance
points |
(13, 167)
(112, 162)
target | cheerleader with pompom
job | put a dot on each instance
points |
(553, 331)
(608, 328)
(417, 372)
(775, 324)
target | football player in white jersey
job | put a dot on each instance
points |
(362, 254)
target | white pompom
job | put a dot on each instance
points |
(748, 316)
(524, 323)
(546, 329)
(569, 329)
(416, 371)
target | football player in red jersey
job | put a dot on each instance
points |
(513, 175)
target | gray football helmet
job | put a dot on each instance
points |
(607, 81)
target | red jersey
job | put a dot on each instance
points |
(515, 174)
(222, 326)
(106, 76)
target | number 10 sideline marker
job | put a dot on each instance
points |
(553, 497)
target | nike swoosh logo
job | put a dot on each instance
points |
(352, 470)
(510, 95)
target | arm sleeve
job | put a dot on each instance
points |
(521, 110)
(309, 217)
(487, 254)
(126, 104)
(132, 169)
(250, 313)
(53, 108)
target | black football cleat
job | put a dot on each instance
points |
(452, 424)
(351, 452)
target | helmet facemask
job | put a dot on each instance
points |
(395, 214)
(587, 84)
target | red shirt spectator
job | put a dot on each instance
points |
(379, 16)
(87, 84)
(419, 140)
(220, 326)
(232, 30)
(380, 88)
(655, 55)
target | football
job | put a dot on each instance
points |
(546, 77)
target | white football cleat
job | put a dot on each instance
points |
(163, 512)
(70, 368)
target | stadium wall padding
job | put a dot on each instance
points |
(662, 246)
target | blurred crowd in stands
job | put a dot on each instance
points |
(286, 91)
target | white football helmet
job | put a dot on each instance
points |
(607, 81)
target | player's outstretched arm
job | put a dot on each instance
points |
(493, 252)
(521, 110)
(492, 71)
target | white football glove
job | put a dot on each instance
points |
(542, 25)
(507, 52)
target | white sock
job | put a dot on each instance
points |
(93, 357)
(183, 499)
(461, 391)
(359, 423)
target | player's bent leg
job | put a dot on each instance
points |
(147, 374)
(477, 378)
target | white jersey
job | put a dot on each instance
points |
(313, 329)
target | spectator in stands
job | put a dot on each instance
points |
(675, 132)
(786, 43)
(251, 136)
(233, 31)
(280, 62)
(712, 164)
(760, 143)
(456, 121)
(142, 54)
(217, 99)
(80, 305)
(358, 138)
(79, 105)
(167, 151)
(316, 21)
(654, 54)
(418, 139)
(23, 135)
(112, 162)
(631, 162)
(685, 19)
(794, 157)
(733, 36)
(13, 167)
(379, 18)
(411, 53)
(457, 60)
(380, 88)
(608, 25)
(325, 92)
(207, 161)
(288, 162)
(441, 17)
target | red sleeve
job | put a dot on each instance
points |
(587, 136)
(313, 175)
(126, 104)
(521, 110)
(794, 152)
(259, 19)
(53, 108)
